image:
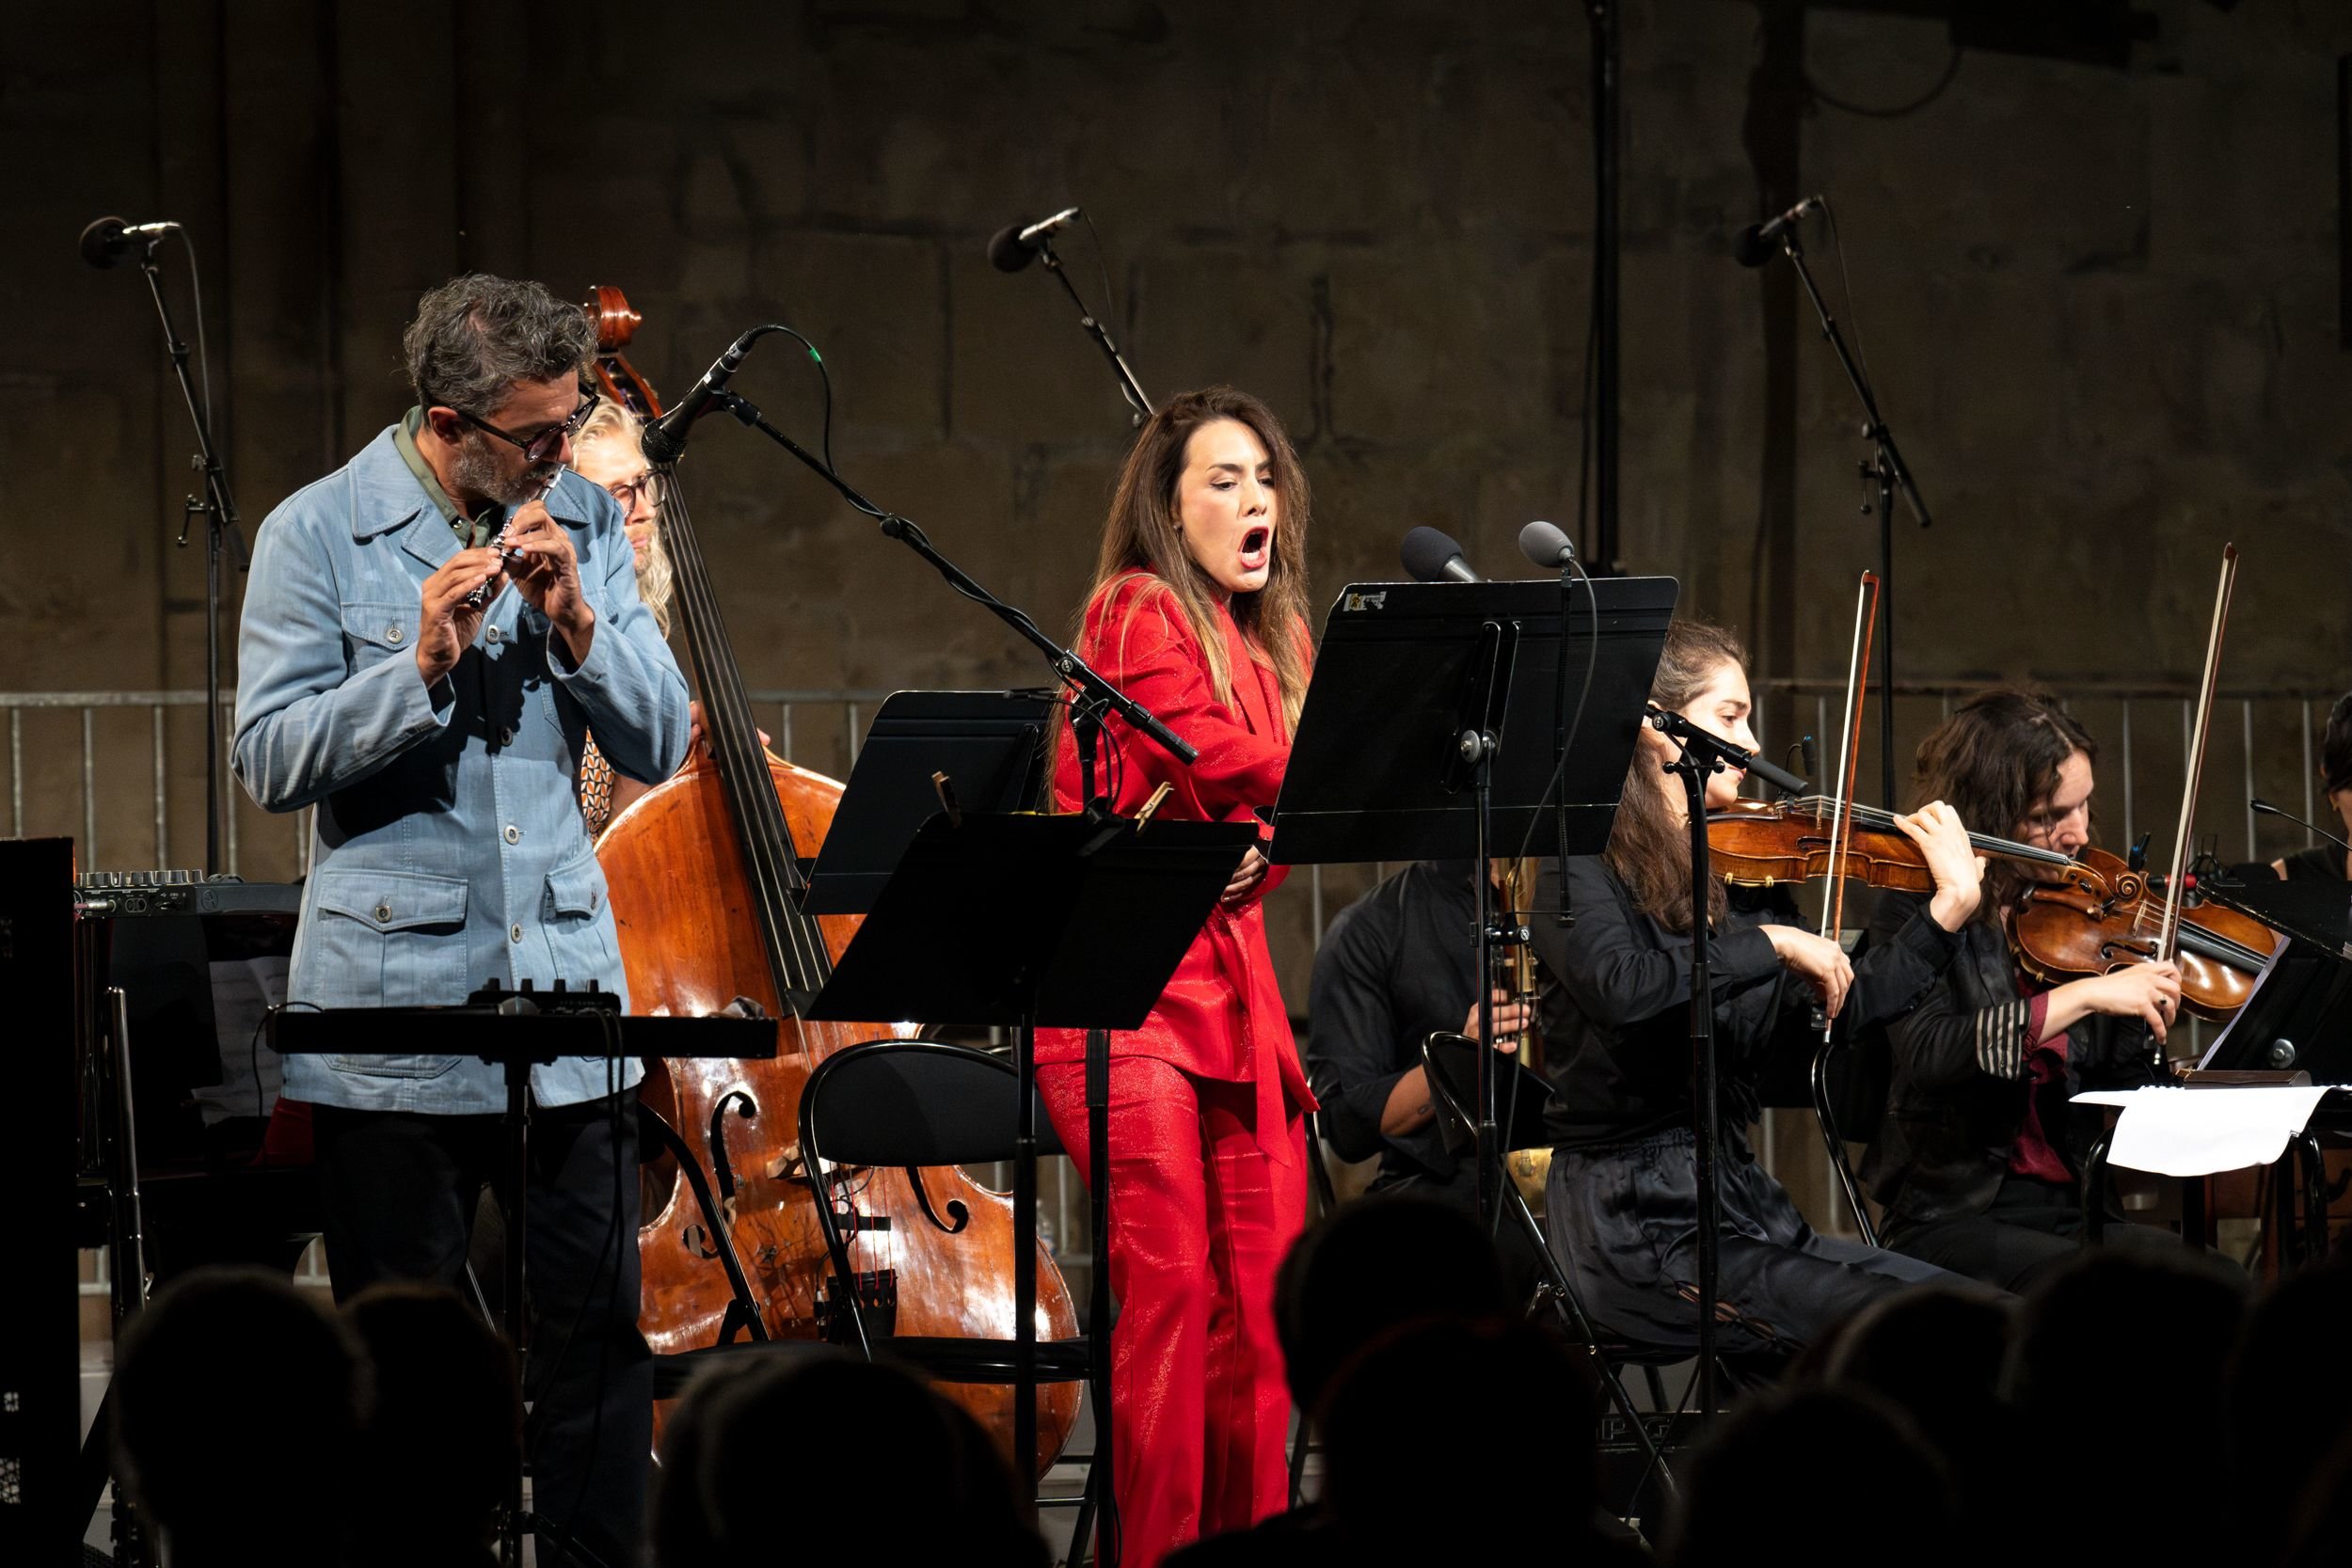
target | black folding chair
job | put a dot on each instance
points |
(926, 1102)
(1452, 1064)
(1828, 1084)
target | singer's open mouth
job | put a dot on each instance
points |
(1253, 548)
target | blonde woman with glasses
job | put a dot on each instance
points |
(605, 453)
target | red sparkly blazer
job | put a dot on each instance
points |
(1222, 1014)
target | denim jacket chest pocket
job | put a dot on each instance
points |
(376, 629)
(385, 938)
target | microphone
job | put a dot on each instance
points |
(108, 241)
(1715, 748)
(2268, 810)
(1015, 246)
(1753, 246)
(1546, 546)
(1433, 557)
(664, 439)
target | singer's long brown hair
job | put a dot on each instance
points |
(1142, 538)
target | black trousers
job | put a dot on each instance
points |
(400, 1189)
(2029, 1231)
(1624, 1224)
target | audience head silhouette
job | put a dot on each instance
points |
(442, 1432)
(1371, 1266)
(235, 1414)
(1747, 1492)
(828, 1454)
(2138, 1345)
(1418, 1434)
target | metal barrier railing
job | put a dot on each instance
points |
(2265, 742)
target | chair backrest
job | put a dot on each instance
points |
(1452, 1064)
(914, 1103)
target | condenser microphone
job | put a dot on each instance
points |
(1016, 245)
(1547, 545)
(108, 241)
(664, 439)
(1433, 557)
(1753, 246)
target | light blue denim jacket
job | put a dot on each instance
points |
(448, 849)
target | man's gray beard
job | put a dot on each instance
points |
(477, 470)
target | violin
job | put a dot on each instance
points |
(1758, 843)
(2064, 932)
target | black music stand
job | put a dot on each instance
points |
(517, 1031)
(1429, 734)
(1026, 922)
(990, 744)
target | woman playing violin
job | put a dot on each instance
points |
(1622, 1189)
(1976, 1160)
(1196, 611)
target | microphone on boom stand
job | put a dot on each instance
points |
(664, 440)
(1015, 246)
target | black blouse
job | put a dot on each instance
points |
(1620, 1050)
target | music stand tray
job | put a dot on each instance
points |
(1375, 774)
(990, 744)
(2299, 1017)
(1029, 921)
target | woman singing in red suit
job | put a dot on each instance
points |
(1198, 613)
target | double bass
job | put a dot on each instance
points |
(704, 874)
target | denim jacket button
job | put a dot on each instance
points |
(516, 932)
(393, 635)
(383, 911)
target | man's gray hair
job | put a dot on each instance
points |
(476, 336)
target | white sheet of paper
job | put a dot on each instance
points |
(2175, 1132)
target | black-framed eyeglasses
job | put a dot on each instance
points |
(539, 448)
(628, 491)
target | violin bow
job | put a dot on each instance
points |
(2168, 932)
(1866, 617)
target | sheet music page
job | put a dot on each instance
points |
(2178, 1131)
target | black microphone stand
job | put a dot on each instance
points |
(1888, 472)
(1100, 696)
(1702, 754)
(220, 520)
(1128, 387)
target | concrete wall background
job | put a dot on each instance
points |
(2102, 307)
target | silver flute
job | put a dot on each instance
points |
(480, 595)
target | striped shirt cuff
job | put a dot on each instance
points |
(2003, 1033)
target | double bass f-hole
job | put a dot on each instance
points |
(957, 1210)
(723, 1168)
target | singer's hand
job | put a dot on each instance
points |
(1247, 878)
(546, 573)
(446, 624)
